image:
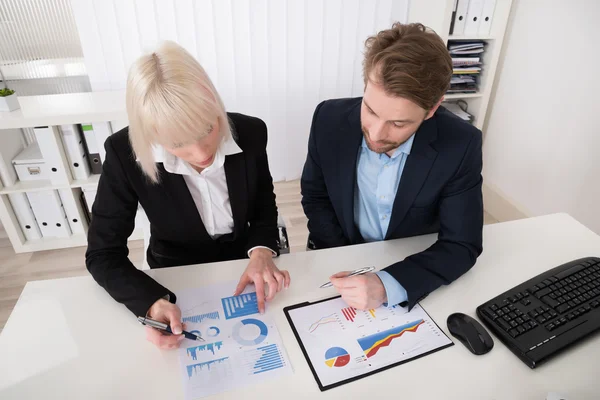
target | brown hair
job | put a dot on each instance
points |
(409, 61)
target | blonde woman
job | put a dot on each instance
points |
(202, 177)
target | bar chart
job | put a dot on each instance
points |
(240, 306)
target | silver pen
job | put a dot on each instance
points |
(359, 271)
(164, 327)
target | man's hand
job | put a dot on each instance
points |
(261, 270)
(164, 311)
(361, 291)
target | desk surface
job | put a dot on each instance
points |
(50, 347)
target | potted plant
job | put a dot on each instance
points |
(8, 98)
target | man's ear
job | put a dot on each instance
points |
(434, 108)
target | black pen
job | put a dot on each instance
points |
(164, 327)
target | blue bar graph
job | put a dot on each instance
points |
(201, 317)
(270, 359)
(191, 351)
(195, 369)
(240, 306)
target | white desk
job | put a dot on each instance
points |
(51, 348)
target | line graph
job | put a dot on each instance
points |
(322, 321)
(372, 343)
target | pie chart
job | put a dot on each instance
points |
(336, 357)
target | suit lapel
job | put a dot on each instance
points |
(348, 154)
(416, 170)
(235, 173)
(176, 188)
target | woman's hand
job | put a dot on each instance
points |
(164, 311)
(261, 270)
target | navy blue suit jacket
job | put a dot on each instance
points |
(440, 191)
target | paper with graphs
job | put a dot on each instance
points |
(342, 343)
(241, 346)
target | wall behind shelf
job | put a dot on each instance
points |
(542, 138)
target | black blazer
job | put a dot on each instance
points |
(178, 236)
(440, 191)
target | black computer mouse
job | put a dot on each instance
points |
(470, 333)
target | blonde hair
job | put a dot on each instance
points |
(171, 102)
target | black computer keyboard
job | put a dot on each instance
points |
(548, 313)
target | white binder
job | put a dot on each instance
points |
(102, 130)
(72, 211)
(12, 145)
(461, 17)
(486, 17)
(49, 213)
(25, 217)
(75, 149)
(474, 17)
(90, 196)
(48, 139)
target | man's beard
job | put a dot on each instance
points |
(386, 146)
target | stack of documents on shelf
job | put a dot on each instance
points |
(458, 111)
(466, 66)
(471, 47)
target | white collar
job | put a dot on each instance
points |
(176, 165)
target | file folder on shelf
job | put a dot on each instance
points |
(25, 217)
(48, 138)
(93, 150)
(12, 145)
(71, 211)
(102, 130)
(49, 213)
(75, 149)
(460, 18)
(486, 17)
(474, 17)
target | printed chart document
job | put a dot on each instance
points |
(241, 346)
(342, 344)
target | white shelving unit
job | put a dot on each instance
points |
(51, 110)
(110, 106)
(437, 14)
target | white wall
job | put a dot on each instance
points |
(275, 59)
(542, 143)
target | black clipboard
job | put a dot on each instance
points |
(287, 309)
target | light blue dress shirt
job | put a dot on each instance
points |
(377, 180)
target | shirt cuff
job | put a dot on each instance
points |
(395, 292)
(262, 247)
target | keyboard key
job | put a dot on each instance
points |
(503, 324)
(500, 313)
(557, 323)
(513, 332)
(512, 307)
(525, 302)
(544, 308)
(570, 271)
(581, 299)
(519, 296)
(513, 324)
(519, 320)
(533, 314)
(550, 301)
(563, 291)
(525, 294)
(494, 307)
(550, 326)
(547, 282)
(560, 300)
(587, 307)
(581, 310)
(577, 301)
(541, 319)
(518, 312)
(562, 308)
(541, 285)
(563, 320)
(570, 316)
(595, 304)
(512, 315)
(587, 297)
(526, 326)
(526, 317)
(533, 324)
(576, 313)
(547, 315)
(576, 292)
(506, 318)
(513, 299)
(559, 285)
(505, 309)
(552, 313)
(552, 287)
(541, 293)
(520, 329)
